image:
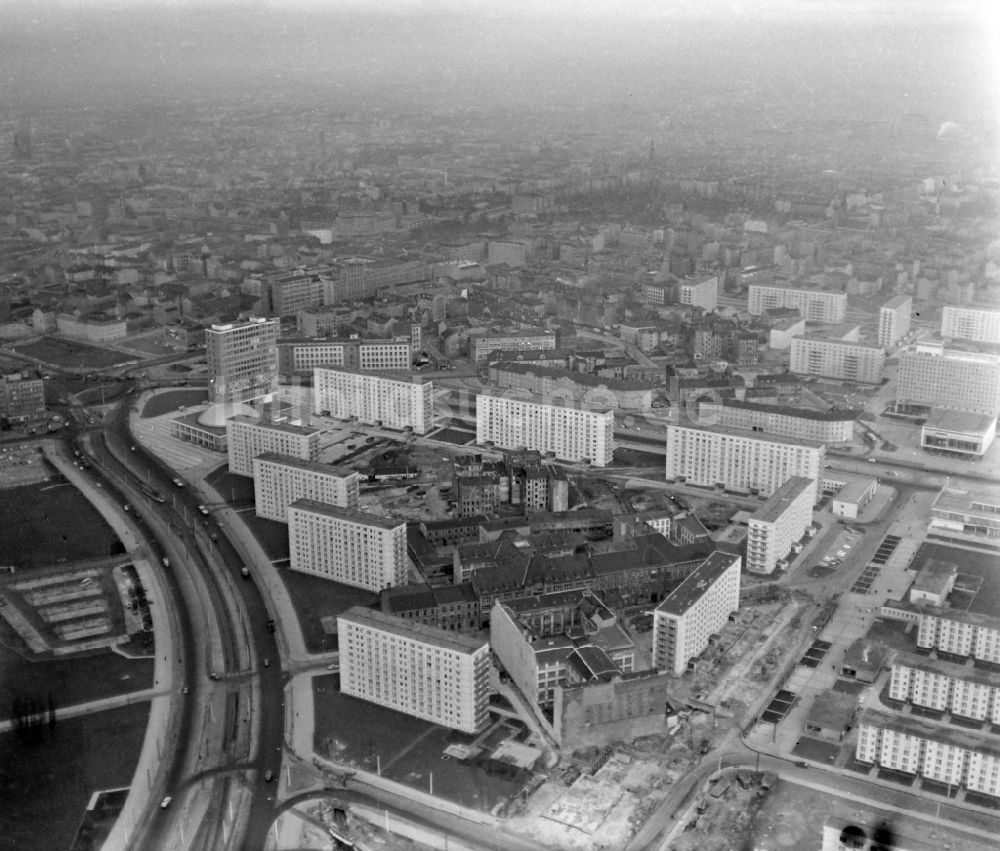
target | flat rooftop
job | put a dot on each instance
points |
(302, 464)
(854, 490)
(952, 499)
(415, 631)
(746, 435)
(897, 302)
(400, 376)
(697, 583)
(288, 428)
(961, 421)
(352, 515)
(782, 498)
(966, 673)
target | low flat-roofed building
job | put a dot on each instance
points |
(852, 498)
(971, 517)
(933, 583)
(831, 715)
(864, 660)
(958, 433)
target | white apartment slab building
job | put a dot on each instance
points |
(946, 687)
(279, 480)
(703, 293)
(388, 400)
(935, 752)
(970, 323)
(420, 670)
(305, 355)
(779, 523)
(956, 631)
(812, 355)
(480, 345)
(829, 427)
(822, 306)
(932, 376)
(242, 361)
(345, 545)
(572, 434)
(247, 437)
(698, 608)
(894, 321)
(738, 460)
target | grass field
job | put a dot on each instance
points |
(45, 785)
(407, 749)
(41, 524)
(164, 403)
(70, 680)
(71, 354)
(315, 598)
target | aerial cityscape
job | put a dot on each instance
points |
(462, 425)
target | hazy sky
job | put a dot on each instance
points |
(880, 53)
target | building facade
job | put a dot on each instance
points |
(242, 361)
(304, 355)
(439, 676)
(248, 437)
(894, 321)
(572, 434)
(945, 754)
(93, 329)
(703, 293)
(279, 480)
(698, 608)
(480, 345)
(822, 306)
(960, 633)
(21, 398)
(738, 460)
(945, 687)
(969, 323)
(933, 376)
(858, 362)
(347, 546)
(385, 400)
(779, 523)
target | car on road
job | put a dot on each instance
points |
(802, 763)
(270, 626)
(268, 776)
(213, 676)
(203, 509)
(165, 802)
(166, 562)
(178, 481)
(267, 663)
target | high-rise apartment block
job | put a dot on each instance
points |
(247, 437)
(304, 355)
(970, 323)
(242, 361)
(386, 400)
(740, 461)
(572, 434)
(279, 480)
(821, 306)
(933, 376)
(420, 670)
(894, 320)
(830, 427)
(812, 355)
(348, 546)
(697, 608)
(480, 345)
(703, 293)
(779, 523)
